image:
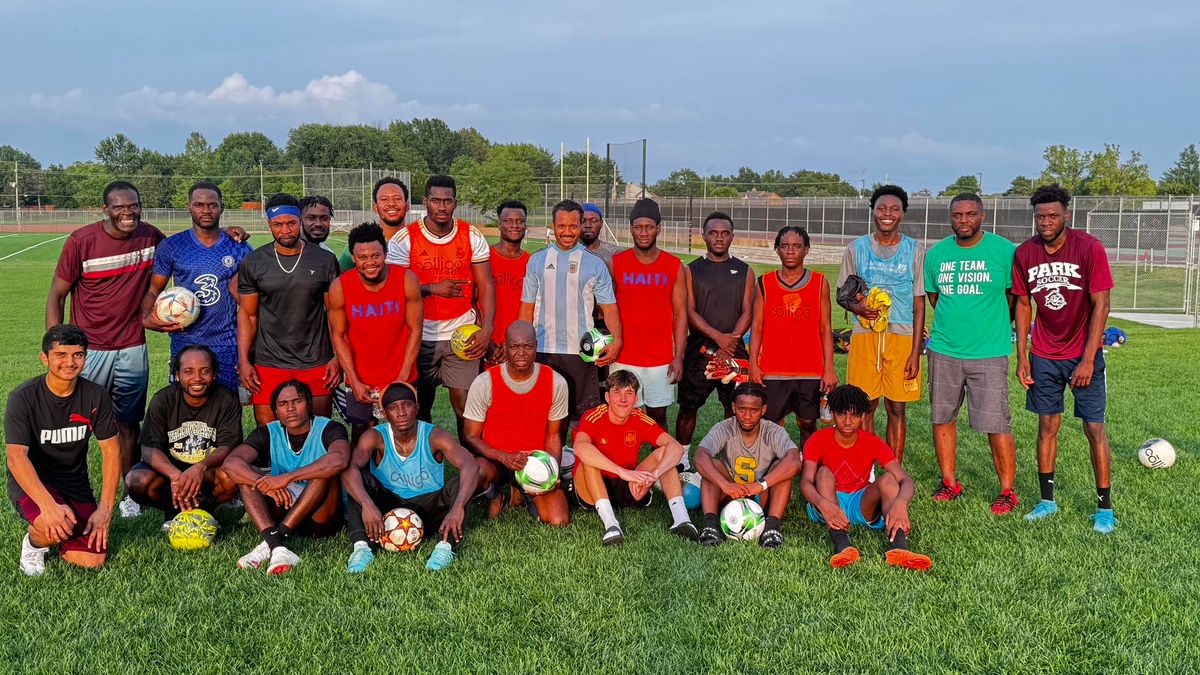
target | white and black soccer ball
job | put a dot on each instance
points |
(1157, 453)
(540, 474)
(177, 305)
(742, 519)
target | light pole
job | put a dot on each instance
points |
(706, 172)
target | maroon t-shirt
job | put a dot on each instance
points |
(108, 277)
(1061, 286)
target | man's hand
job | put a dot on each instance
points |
(829, 379)
(152, 322)
(756, 373)
(372, 521)
(675, 369)
(834, 517)
(753, 488)
(275, 487)
(448, 288)
(248, 374)
(640, 482)
(897, 519)
(912, 367)
(609, 354)
(451, 529)
(860, 308)
(496, 354)
(1082, 376)
(1023, 375)
(96, 529)
(333, 374)
(726, 344)
(477, 344)
(186, 486)
(237, 233)
(734, 490)
(58, 521)
(515, 460)
(362, 393)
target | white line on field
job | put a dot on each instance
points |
(30, 248)
(14, 234)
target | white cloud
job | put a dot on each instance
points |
(916, 143)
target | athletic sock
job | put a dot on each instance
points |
(678, 510)
(361, 544)
(711, 520)
(683, 461)
(285, 532)
(772, 523)
(841, 540)
(604, 509)
(1046, 481)
(901, 540)
(1104, 497)
(272, 537)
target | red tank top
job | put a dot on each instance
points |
(508, 275)
(434, 262)
(791, 339)
(644, 303)
(499, 430)
(378, 331)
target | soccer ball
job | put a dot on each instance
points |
(178, 305)
(1156, 453)
(458, 341)
(192, 530)
(540, 474)
(592, 343)
(402, 530)
(742, 519)
(568, 462)
(691, 489)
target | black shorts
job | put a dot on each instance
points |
(583, 380)
(1051, 377)
(802, 397)
(695, 388)
(432, 507)
(619, 495)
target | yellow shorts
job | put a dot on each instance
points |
(876, 365)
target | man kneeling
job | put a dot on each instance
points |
(607, 470)
(836, 481)
(757, 457)
(402, 463)
(513, 409)
(287, 472)
(191, 426)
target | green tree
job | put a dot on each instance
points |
(576, 170)
(473, 144)
(1066, 166)
(680, 183)
(119, 155)
(155, 178)
(805, 183)
(1184, 177)
(437, 143)
(1108, 175)
(1021, 186)
(486, 184)
(239, 156)
(230, 195)
(722, 192)
(539, 160)
(198, 158)
(965, 183)
(329, 145)
(85, 180)
(21, 167)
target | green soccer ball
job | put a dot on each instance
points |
(540, 474)
(742, 519)
(592, 343)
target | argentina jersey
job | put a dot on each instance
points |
(205, 271)
(564, 287)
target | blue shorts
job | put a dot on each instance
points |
(1051, 377)
(124, 374)
(851, 506)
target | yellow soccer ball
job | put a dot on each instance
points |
(192, 530)
(458, 341)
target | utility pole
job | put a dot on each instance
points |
(262, 191)
(17, 193)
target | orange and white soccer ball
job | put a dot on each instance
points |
(402, 530)
(177, 304)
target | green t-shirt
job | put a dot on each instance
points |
(346, 262)
(971, 319)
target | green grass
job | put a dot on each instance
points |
(1004, 595)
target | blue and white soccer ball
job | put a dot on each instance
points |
(691, 489)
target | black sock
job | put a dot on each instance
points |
(841, 540)
(1046, 481)
(772, 523)
(710, 520)
(285, 532)
(901, 540)
(1104, 498)
(272, 537)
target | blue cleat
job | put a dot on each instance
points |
(442, 555)
(360, 558)
(1103, 521)
(1046, 507)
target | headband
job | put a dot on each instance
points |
(282, 210)
(398, 391)
(594, 209)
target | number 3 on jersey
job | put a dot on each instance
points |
(208, 289)
(743, 469)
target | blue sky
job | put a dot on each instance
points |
(917, 92)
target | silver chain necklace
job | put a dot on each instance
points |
(294, 265)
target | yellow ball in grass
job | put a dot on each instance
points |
(192, 530)
(458, 341)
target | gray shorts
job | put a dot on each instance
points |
(438, 364)
(124, 374)
(984, 382)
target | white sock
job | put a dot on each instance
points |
(687, 465)
(678, 511)
(604, 509)
(27, 544)
(361, 544)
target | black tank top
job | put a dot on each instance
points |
(718, 288)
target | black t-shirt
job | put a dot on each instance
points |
(293, 331)
(718, 288)
(57, 430)
(260, 440)
(187, 435)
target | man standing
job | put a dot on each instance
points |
(287, 473)
(967, 281)
(1065, 273)
(375, 323)
(205, 261)
(191, 425)
(720, 307)
(106, 267)
(508, 263)
(47, 425)
(652, 301)
(887, 363)
(450, 258)
(389, 200)
(316, 218)
(513, 409)
(563, 284)
(590, 229)
(283, 332)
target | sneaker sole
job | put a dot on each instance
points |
(613, 541)
(279, 569)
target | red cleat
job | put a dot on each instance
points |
(947, 492)
(1006, 501)
(844, 558)
(899, 557)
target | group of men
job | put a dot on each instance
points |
(301, 331)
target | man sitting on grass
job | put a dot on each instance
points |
(287, 472)
(836, 481)
(756, 457)
(402, 462)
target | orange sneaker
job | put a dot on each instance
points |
(845, 557)
(900, 557)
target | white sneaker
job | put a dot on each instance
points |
(129, 508)
(256, 557)
(33, 559)
(282, 560)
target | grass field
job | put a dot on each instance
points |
(1003, 596)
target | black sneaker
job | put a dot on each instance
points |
(686, 530)
(771, 539)
(612, 536)
(710, 536)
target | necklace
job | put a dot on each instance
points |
(294, 265)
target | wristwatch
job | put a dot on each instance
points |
(763, 483)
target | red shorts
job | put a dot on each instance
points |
(273, 377)
(29, 510)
